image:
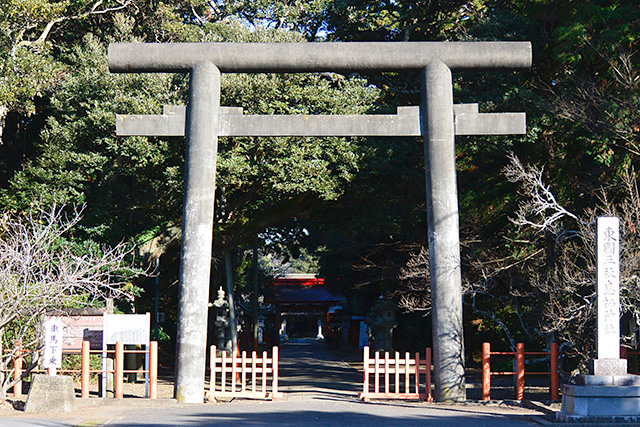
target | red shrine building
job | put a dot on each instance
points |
(302, 305)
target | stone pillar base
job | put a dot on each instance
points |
(602, 367)
(601, 399)
(51, 394)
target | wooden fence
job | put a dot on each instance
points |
(520, 371)
(243, 376)
(85, 370)
(396, 378)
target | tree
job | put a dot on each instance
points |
(305, 17)
(567, 244)
(262, 183)
(32, 34)
(42, 267)
(379, 224)
(595, 81)
(133, 186)
(402, 20)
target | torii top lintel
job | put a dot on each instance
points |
(317, 56)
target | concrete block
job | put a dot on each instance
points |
(51, 394)
(601, 391)
(608, 380)
(607, 367)
(597, 403)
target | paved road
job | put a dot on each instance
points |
(319, 389)
(320, 412)
(309, 372)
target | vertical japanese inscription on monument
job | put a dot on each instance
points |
(608, 288)
(53, 333)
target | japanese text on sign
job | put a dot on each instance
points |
(608, 288)
(53, 331)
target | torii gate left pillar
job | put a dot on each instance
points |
(197, 229)
(437, 122)
(443, 231)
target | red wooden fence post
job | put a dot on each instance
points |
(386, 372)
(212, 365)
(428, 362)
(223, 372)
(555, 380)
(520, 371)
(486, 371)
(365, 382)
(153, 370)
(624, 352)
(274, 357)
(119, 377)
(17, 366)
(85, 368)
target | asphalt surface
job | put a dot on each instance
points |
(319, 390)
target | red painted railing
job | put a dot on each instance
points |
(242, 376)
(520, 371)
(85, 370)
(396, 378)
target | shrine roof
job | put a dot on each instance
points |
(302, 294)
(298, 280)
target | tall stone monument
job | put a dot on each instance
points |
(607, 394)
(438, 120)
(608, 360)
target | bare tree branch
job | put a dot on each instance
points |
(540, 203)
(44, 34)
(41, 269)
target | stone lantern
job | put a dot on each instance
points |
(382, 322)
(221, 318)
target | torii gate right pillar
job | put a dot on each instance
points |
(443, 231)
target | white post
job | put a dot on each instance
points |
(147, 348)
(53, 331)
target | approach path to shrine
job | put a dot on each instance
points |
(319, 389)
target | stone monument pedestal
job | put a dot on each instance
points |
(51, 394)
(608, 396)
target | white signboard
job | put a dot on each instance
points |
(608, 290)
(53, 344)
(127, 328)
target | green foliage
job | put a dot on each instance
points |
(74, 362)
(308, 17)
(161, 336)
(18, 92)
(79, 158)
(402, 20)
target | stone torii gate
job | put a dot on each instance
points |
(438, 120)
